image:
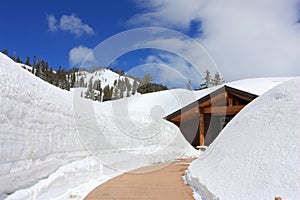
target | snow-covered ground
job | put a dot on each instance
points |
(257, 155)
(55, 145)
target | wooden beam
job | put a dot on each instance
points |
(187, 115)
(242, 97)
(223, 110)
(213, 99)
(201, 128)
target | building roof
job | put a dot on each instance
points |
(254, 86)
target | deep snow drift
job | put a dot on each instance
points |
(257, 155)
(52, 141)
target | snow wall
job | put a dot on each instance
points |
(50, 141)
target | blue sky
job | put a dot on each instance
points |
(24, 26)
(244, 39)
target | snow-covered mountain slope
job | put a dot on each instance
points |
(104, 77)
(51, 141)
(257, 155)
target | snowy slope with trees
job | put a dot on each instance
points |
(256, 156)
(103, 84)
(52, 141)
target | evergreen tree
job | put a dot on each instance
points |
(134, 87)
(34, 61)
(207, 78)
(13, 56)
(27, 62)
(122, 87)
(18, 60)
(116, 93)
(217, 80)
(128, 90)
(189, 85)
(90, 94)
(37, 69)
(51, 75)
(151, 87)
(97, 85)
(106, 93)
(5, 51)
(81, 83)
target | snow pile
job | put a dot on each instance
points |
(257, 155)
(51, 141)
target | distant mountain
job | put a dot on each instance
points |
(95, 85)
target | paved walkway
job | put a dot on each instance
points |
(147, 183)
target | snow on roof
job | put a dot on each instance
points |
(256, 156)
(257, 86)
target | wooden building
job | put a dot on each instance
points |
(201, 121)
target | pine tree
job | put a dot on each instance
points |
(13, 56)
(207, 78)
(27, 62)
(34, 61)
(90, 94)
(134, 87)
(217, 80)
(18, 60)
(81, 82)
(51, 75)
(189, 85)
(116, 93)
(5, 51)
(73, 79)
(106, 93)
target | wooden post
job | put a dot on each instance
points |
(230, 99)
(201, 128)
(278, 198)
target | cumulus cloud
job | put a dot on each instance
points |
(248, 38)
(81, 56)
(74, 25)
(69, 23)
(52, 23)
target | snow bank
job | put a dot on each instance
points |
(257, 155)
(51, 141)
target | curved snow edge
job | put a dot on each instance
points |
(201, 192)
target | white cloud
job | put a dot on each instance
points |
(172, 70)
(69, 23)
(52, 22)
(74, 25)
(81, 56)
(248, 38)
